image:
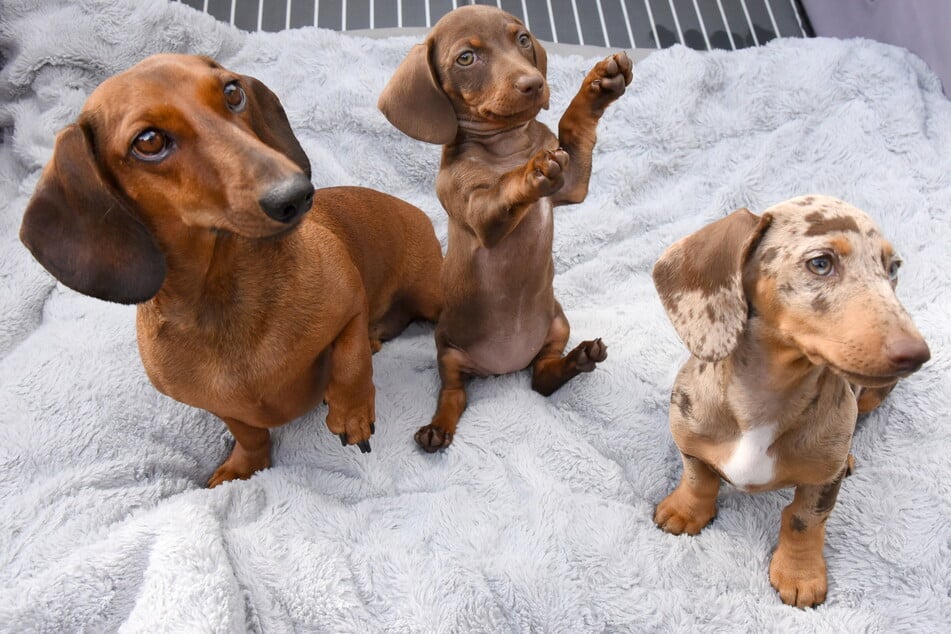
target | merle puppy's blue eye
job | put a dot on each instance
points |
(821, 265)
(893, 269)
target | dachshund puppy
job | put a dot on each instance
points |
(475, 86)
(181, 188)
(787, 315)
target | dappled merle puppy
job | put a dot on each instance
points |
(794, 327)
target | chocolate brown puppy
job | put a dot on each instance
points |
(475, 86)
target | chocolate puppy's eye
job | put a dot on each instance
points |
(466, 58)
(235, 97)
(524, 40)
(151, 145)
(821, 265)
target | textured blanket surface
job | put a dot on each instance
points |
(538, 518)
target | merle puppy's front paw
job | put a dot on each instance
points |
(609, 78)
(546, 171)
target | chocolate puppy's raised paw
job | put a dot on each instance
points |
(609, 78)
(432, 439)
(546, 171)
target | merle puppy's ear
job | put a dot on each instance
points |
(700, 282)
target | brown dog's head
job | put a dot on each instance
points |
(176, 141)
(816, 270)
(479, 68)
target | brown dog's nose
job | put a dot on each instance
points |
(907, 354)
(528, 84)
(288, 201)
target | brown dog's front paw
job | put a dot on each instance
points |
(432, 439)
(800, 581)
(677, 515)
(609, 78)
(588, 354)
(355, 429)
(546, 171)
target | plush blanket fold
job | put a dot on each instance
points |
(538, 517)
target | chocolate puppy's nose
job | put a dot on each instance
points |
(907, 354)
(288, 200)
(529, 84)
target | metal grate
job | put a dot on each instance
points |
(699, 24)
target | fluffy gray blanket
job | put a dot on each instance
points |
(538, 518)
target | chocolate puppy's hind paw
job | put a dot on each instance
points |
(432, 439)
(588, 354)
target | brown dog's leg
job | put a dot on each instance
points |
(350, 393)
(251, 453)
(550, 370)
(577, 129)
(423, 303)
(798, 568)
(438, 434)
(693, 503)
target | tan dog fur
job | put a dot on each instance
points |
(252, 317)
(475, 86)
(768, 398)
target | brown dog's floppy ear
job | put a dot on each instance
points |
(269, 122)
(414, 102)
(700, 282)
(83, 233)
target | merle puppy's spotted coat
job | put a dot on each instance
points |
(789, 316)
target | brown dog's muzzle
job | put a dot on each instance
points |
(288, 200)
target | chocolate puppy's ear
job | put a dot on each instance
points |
(414, 102)
(84, 233)
(700, 282)
(269, 122)
(541, 56)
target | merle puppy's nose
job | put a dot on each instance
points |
(287, 201)
(908, 354)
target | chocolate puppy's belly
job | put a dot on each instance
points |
(510, 346)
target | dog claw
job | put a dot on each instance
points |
(343, 439)
(364, 446)
(372, 428)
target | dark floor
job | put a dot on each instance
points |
(700, 24)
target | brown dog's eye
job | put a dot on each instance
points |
(235, 97)
(821, 265)
(466, 58)
(151, 145)
(524, 40)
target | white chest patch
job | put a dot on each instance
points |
(750, 465)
